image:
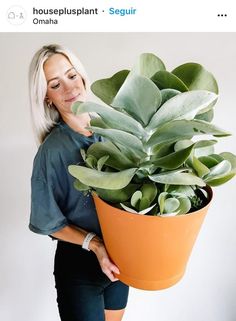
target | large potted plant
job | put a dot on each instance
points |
(152, 174)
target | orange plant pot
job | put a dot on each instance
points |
(151, 252)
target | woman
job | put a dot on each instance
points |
(87, 288)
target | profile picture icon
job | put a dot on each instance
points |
(16, 15)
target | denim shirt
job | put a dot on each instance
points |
(55, 203)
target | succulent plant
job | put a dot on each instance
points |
(150, 161)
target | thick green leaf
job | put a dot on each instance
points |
(164, 79)
(174, 204)
(183, 106)
(116, 160)
(131, 98)
(83, 154)
(184, 206)
(221, 179)
(204, 149)
(217, 157)
(204, 146)
(106, 89)
(91, 161)
(143, 198)
(148, 64)
(182, 144)
(144, 203)
(80, 186)
(181, 129)
(149, 191)
(171, 205)
(181, 189)
(199, 167)
(177, 178)
(98, 122)
(106, 180)
(121, 137)
(129, 153)
(207, 116)
(199, 145)
(161, 201)
(136, 197)
(128, 209)
(210, 160)
(114, 119)
(167, 94)
(231, 158)
(118, 195)
(165, 150)
(102, 161)
(173, 160)
(196, 77)
(219, 170)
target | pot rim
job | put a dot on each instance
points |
(207, 187)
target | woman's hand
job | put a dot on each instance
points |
(97, 246)
(76, 235)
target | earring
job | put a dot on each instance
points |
(49, 105)
(48, 102)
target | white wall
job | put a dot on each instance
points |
(208, 290)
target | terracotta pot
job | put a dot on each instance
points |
(151, 252)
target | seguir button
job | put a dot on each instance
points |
(122, 12)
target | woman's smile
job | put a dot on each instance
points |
(72, 99)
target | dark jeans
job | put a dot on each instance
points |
(83, 290)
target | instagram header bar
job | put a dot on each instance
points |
(115, 16)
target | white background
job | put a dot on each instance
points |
(208, 290)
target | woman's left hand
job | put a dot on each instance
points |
(109, 268)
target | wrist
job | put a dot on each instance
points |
(95, 244)
(87, 240)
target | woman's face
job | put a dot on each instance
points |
(64, 84)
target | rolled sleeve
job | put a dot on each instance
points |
(46, 217)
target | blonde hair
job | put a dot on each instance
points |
(45, 117)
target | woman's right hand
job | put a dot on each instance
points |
(97, 246)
